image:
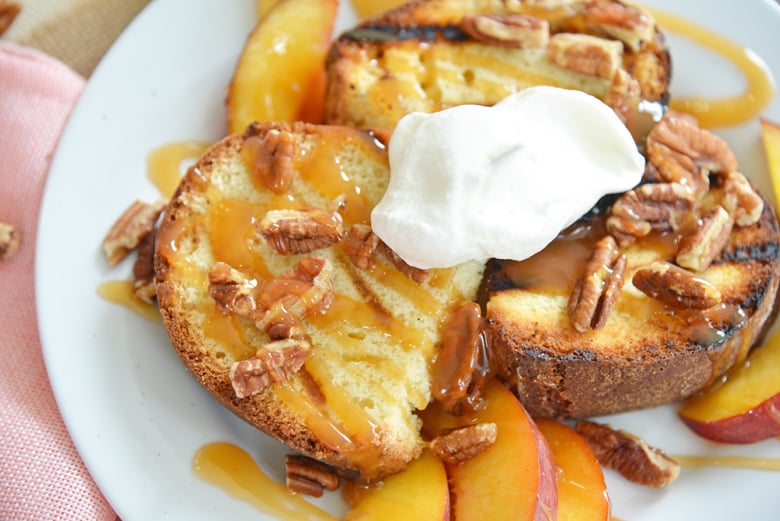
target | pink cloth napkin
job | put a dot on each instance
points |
(41, 474)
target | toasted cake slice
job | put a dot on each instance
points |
(430, 54)
(649, 299)
(286, 307)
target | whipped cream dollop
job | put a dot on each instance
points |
(475, 182)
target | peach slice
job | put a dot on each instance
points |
(770, 135)
(515, 477)
(263, 6)
(582, 492)
(366, 8)
(419, 493)
(744, 409)
(281, 64)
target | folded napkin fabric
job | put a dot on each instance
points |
(41, 474)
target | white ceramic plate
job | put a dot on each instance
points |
(135, 414)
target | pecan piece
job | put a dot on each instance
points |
(463, 444)
(271, 157)
(596, 292)
(627, 23)
(276, 306)
(675, 286)
(631, 456)
(517, 31)
(741, 201)
(8, 13)
(275, 362)
(416, 274)
(361, 244)
(9, 241)
(129, 230)
(308, 476)
(233, 291)
(586, 54)
(301, 231)
(143, 270)
(461, 367)
(684, 153)
(662, 207)
(699, 248)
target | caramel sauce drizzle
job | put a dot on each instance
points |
(121, 292)
(737, 462)
(335, 420)
(234, 471)
(164, 164)
(730, 110)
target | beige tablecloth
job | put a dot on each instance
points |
(77, 32)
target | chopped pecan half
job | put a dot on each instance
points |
(308, 476)
(301, 231)
(741, 200)
(676, 286)
(624, 94)
(627, 23)
(271, 157)
(662, 207)
(518, 31)
(276, 306)
(461, 367)
(8, 13)
(416, 274)
(521, 6)
(631, 456)
(586, 54)
(699, 248)
(360, 244)
(9, 241)
(232, 290)
(684, 153)
(463, 444)
(143, 270)
(596, 292)
(129, 230)
(306, 289)
(275, 362)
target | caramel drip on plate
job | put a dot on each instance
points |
(737, 462)
(121, 292)
(730, 110)
(164, 164)
(233, 470)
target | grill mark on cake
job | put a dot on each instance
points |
(423, 33)
(360, 285)
(764, 251)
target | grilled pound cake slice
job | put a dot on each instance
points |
(286, 307)
(430, 54)
(648, 300)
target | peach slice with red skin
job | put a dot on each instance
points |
(582, 492)
(514, 478)
(278, 76)
(419, 493)
(744, 409)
